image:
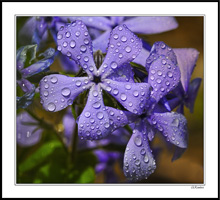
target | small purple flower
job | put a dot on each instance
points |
(28, 130)
(186, 91)
(164, 76)
(114, 76)
(23, 72)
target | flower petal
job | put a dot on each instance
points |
(123, 74)
(117, 19)
(93, 123)
(151, 25)
(173, 126)
(186, 59)
(74, 41)
(101, 42)
(192, 93)
(139, 162)
(178, 153)
(164, 76)
(133, 96)
(101, 23)
(41, 65)
(69, 65)
(69, 124)
(25, 85)
(123, 47)
(160, 49)
(58, 91)
(27, 130)
(142, 57)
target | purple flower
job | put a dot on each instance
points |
(28, 130)
(24, 72)
(164, 76)
(141, 25)
(114, 76)
(186, 91)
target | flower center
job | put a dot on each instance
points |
(97, 79)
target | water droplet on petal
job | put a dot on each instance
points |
(51, 107)
(135, 93)
(114, 65)
(87, 114)
(137, 162)
(100, 115)
(83, 48)
(98, 132)
(77, 33)
(46, 86)
(46, 93)
(106, 125)
(59, 48)
(143, 151)
(146, 159)
(65, 44)
(65, 92)
(164, 62)
(138, 140)
(96, 105)
(68, 34)
(95, 93)
(86, 58)
(53, 79)
(78, 83)
(72, 44)
(128, 87)
(123, 39)
(123, 97)
(60, 36)
(175, 122)
(115, 91)
(159, 73)
(169, 74)
(115, 36)
(158, 80)
(128, 49)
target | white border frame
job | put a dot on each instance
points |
(170, 190)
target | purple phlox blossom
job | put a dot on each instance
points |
(28, 130)
(139, 25)
(36, 30)
(114, 76)
(187, 91)
(25, 72)
(164, 76)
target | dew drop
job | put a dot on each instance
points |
(130, 104)
(146, 159)
(59, 48)
(153, 71)
(135, 93)
(95, 93)
(51, 107)
(123, 97)
(169, 74)
(106, 125)
(167, 83)
(78, 83)
(86, 58)
(46, 86)
(137, 162)
(128, 49)
(92, 120)
(159, 73)
(87, 114)
(175, 122)
(65, 44)
(98, 132)
(96, 105)
(164, 62)
(65, 92)
(128, 87)
(86, 41)
(46, 93)
(67, 34)
(138, 140)
(77, 33)
(83, 48)
(158, 80)
(100, 115)
(72, 43)
(114, 65)
(123, 39)
(143, 151)
(60, 36)
(115, 91)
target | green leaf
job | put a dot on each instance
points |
(39, 155)
(87, 176)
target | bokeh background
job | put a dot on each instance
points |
(188, 169)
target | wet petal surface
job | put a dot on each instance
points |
(151, 25)
(27, 130)
(101, 42)
(164, 76)
(133, 96)
(123, 47)
(139, 162)
(186, 59)
(93, 123)
(74, 41)
(160, 49)
(58, 91)
(173, 126)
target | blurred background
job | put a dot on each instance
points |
(188, 169)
